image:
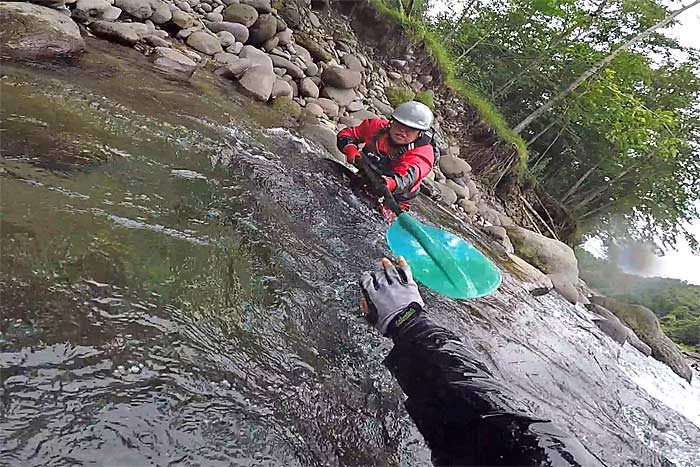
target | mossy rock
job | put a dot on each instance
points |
(426, 97)
(398, 95)
(287, 105)
(646, 326)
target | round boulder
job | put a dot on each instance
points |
(454, 167)
(161, 12)
(204, 42)
(549, 255)
(87, 11)
(461, 191)
(121, 33)
(447, 195)
(239, 31)
(138, 9)
(182, 20)
(352, 62)
(341, 78)
(308, 88)
(282, 88)
(172, 60)
(239, 13)
(264, 28)
(32, 32)
(263, 6)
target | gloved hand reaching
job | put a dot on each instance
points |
(390, 296)
(351, 152)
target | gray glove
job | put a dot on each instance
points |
(388, 292)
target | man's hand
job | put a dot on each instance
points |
(389, 292)
(351, 152)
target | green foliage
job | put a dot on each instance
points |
(398, 95)
(426, 97)
(418, 32)
(621, 152)
(675, 302)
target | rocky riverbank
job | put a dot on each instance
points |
(329, 69)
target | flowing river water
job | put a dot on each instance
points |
(178, 287)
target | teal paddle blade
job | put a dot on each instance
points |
(442, 261)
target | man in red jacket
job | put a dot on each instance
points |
(399, 150)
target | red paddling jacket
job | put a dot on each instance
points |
(403, 166)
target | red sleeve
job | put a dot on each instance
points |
(421, 158)
(365, 131)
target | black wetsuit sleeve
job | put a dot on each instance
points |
(463, 412)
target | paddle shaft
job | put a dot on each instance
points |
(380, 185)
(435, 250)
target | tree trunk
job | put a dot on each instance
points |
(545, 130)
(578, 183)
(595, 68)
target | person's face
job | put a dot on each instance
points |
(401, 134)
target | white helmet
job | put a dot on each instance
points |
(414, 115)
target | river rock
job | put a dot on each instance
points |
(172, 60)
(204, 42)
(235, 70)
(239, 13)
(324, 136)
(121, 33)
(447, 195)
(497, 232)
(226, 38)
(259, 79)
(454, 167)
(528, 273)
(143, 29)
(161, 12)
(262, 6)
(34, 32)
(155, 41)
(282, 88)
(293, 70)
(285, 36)
(312, 70)
(461, 191)
(352, 62)
(264, 28)
(385, 109)
(329, 107)
(182, 20)
(225, 58)
(646, 326)
(313, 47)
(564, 287)
(308, 88)
(355, 106)
(214, 17)
(87, 11)
(304, 54)
(315, 109)
(549, 255)
(468, 206)
(615, 329)
(235, 48)
(363, 115)
(343, 97)
(239, 31)
(139, 9)
(290, 15)
(341, 78)
(270, 44)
